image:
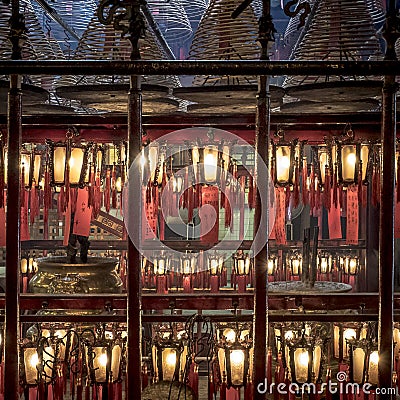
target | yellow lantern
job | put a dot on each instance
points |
(295, 263)
(241, 263)
(364, 359)
(210, 161)
(169, 353)
(343, 334)
(272, 264)
(39, 361)
(26, 159)
(324, 262)
(234, 349)
(68, 158)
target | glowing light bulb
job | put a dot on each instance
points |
(34, 360)
(374, 357)
(103, 360)
(304, 358)
(237, 357)
(171, 359)
(349, 334)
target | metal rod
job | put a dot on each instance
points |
(134, 348)
(189, 67)
(52, 13)
(12, 334)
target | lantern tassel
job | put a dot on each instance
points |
(317, 195)
(114, 189)
(296, 188)
(327, 189)
(312, 189)
(360, 188)
(92, 182)
(193, 377)
(211, 388)
(107, 191)
(222, 395)
(248, 392)
(34, 201)
(335, 188)
(304, 191)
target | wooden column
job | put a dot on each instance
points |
(12, 332)
(261, 219)
(14, 121)
(386, 221)
(134, 348)
(386, 235)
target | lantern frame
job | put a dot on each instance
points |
(44, 359)
(295, 256)
(225, 349)
(107, 345)
(172, 337)
(213, 259)
(339, 339)
(272, 258)
(329, 262)
(69, 147)
(368, 346)
(241, 256)
(293, 149)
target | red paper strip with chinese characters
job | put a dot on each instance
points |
(83, 214)
(279, 228)
(209, 215)
(335, 229)
(352, 215)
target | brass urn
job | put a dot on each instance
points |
(57, 275)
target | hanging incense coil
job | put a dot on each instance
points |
(376, 11)
(194, 10)
(293, 31)
(102, 42)
(172, 19)
(219, 37)
(339, 30)
(75, 13)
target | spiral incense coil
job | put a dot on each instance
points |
(377, 11)
(172, 19)
(75, 13)
(219, 37)
(293, 30)
(194, 10)
(337, 30)
(102, 42)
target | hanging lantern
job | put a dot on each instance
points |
(104, 358)
(364, 359)
(161, 264)
(242, 263)
(215, 263)
(177, 183)
(349, 264)
(396, 338)
(169, 354)
(352, 157)
(69, 160)
(272, 265)
(27, 167)
(305, 355)
(343, 333)
(295, 261)
(284, 156)
(234, 349)
(324, 262)
(38, 361)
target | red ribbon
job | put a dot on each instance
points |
(304, 191)
(107, 191)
